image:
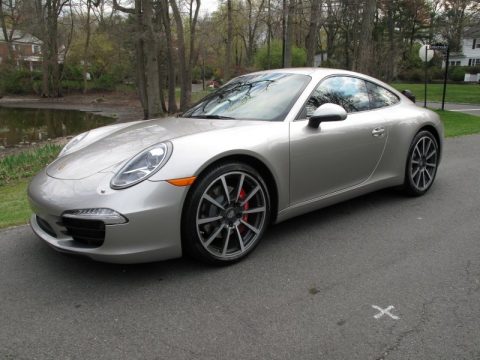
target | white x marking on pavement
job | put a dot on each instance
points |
(384, 312)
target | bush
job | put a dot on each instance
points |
(413, 75)
(17, 81)
(457, 73)
(73, 72)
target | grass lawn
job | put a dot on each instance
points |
(457, 124)
(16, 170)
(14, 209)
(456, 93)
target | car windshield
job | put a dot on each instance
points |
(264, 96)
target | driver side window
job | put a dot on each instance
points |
(348, 92)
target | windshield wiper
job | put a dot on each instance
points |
(212, 117)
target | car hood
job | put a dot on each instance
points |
(122, 143)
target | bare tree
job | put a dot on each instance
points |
(312, 36)
(365, 48)
(146, 51)
(228, 50)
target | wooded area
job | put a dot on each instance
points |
(162, 45)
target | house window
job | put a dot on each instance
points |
(457, 63)
(474, 43)
(36, 49)
(477, 62)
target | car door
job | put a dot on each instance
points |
(339, 154)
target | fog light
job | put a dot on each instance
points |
(108, 216)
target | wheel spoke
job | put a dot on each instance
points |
(423, 145)
(213, 201)
(214, 235)
(415, 162)
(227, 239)
(431, 164)
(431, 154)
(254, 229)
(255, 210)
(429, 176)
(423, 179)
(428, 146)
(240, 239)
(225, 188)
(253, 192)
(415, 172)
(417, 149)
(208, 220)
(240, 184)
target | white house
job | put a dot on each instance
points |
(470, 54)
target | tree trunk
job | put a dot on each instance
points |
(150, 48)
(7, 38)
(289, 33)
(182, 70)
(365, 47)
(228, 50)
(86, 49)
(312, 36)
(172, 103)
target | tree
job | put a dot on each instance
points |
(311, 41)
(146, 55)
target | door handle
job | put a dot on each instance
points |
(377, 132)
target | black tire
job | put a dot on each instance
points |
(208, 241)
(422, 164)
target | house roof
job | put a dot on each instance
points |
(21, 37)
(472, 32)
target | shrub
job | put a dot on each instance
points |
(457, 73)
(17, 81)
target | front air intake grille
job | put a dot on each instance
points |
(87, 232)
(45, 226)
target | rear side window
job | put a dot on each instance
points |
(380, 97)
(348, 92)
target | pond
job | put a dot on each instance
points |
(20, 126)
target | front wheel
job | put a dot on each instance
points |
(226, 214)
(422, 164)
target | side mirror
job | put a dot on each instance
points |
(409, 95)
(327, 112)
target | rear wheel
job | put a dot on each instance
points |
(226, 214)
(422, 164)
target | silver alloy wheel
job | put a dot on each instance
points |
(231, 214)
(423, 163)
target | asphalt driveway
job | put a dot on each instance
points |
(382, 276)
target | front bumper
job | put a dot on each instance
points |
(153, 210)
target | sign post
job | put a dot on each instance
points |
(444, 49)
(426, 54)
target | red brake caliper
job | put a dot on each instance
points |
(242, 196)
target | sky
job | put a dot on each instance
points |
(209, 5)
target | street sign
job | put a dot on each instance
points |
(438, 47)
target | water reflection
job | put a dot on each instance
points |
(18, 126)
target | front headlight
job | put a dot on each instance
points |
(75, 141)
(142, 166)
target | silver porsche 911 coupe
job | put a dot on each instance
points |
(263, 148)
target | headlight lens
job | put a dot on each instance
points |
(142, 166)
(75, 141)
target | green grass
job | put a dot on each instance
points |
(14, 209)
(26, 164)
(15, 172)
(456, 93)
(457, 124)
